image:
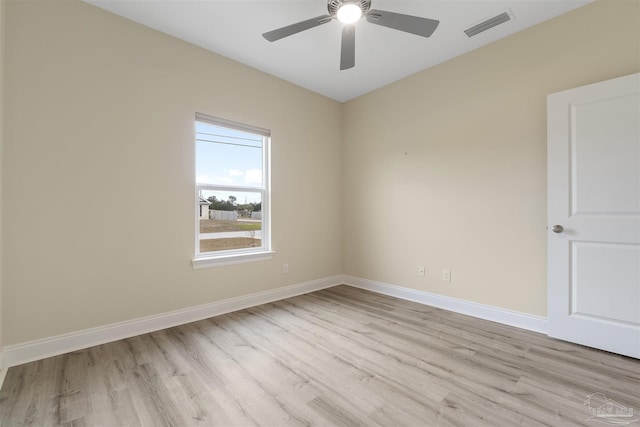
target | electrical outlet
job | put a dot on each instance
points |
(421, 270)
(446, 275)
(285, 268)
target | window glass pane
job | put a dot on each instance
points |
(230, 220)
(227, 156)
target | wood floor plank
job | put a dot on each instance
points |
(337, 357)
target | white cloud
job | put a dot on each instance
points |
(233, 177)
(225, 180)
(204, 179)
(253, 176)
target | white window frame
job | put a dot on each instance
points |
(237, 256)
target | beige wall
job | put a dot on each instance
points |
(447, 168)
(100, 118)
(2, 43)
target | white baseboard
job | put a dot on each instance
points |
(482, 311)
(60, 344)
(3, 368)
(39, 349)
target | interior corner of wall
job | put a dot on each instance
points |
(3, 368)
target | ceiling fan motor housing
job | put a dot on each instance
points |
(334, 5)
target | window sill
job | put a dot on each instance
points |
(219, 261)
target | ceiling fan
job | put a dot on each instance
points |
(349, 12)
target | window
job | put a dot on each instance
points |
(232, 192)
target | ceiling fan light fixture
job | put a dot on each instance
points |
(349, 13)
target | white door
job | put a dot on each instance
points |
(594, 215)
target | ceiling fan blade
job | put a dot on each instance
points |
(408, 23)
(296, 28)
(348, 50)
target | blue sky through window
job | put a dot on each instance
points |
(228, 157)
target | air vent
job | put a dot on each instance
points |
(488, 23)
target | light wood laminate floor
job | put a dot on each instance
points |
(341, 356)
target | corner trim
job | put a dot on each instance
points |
(60, 344)
(487, 312)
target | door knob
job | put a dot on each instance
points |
(557, 228)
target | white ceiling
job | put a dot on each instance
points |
(233, 28)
